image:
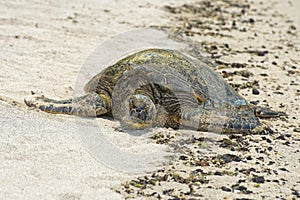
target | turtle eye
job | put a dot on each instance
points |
(130, 101)
(143, 106)
(132, 104)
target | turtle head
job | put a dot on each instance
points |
(141, 111)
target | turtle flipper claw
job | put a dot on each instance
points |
(33, 100)
(267, 113)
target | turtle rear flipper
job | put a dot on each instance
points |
(90, 105)
(266, 113)
(226, 120)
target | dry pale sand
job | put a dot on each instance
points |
(44, 46)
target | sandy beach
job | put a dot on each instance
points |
(46, 49)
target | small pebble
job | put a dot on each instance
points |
(229, 158)
(255, 91)
(251, 20)
(249, 158)
(264, 74)
(262, 53)
(296, 130)
(218, 173)
(258, 179)
(271, 163)
(183, 157)
(226, 189)
(295, 192)
(254, 102)
(241, 181)
(270, 148)
(283, 169)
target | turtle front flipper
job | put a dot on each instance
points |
(90, 105)
(266, 113)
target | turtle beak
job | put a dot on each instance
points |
(139, 113)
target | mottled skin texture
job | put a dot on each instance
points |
(158, 87)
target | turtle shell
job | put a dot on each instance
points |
(178, 82)
(171, 69)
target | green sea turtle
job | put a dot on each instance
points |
(161, 87)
